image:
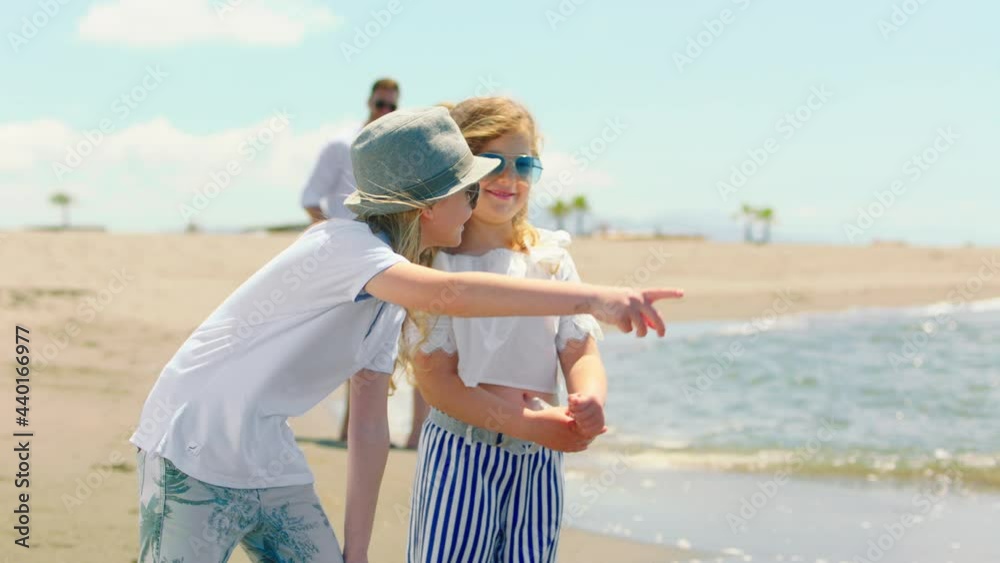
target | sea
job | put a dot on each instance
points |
(863, 435)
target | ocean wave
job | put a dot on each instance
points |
(946, 307)
(803, 320)
(971, 470)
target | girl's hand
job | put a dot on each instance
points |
(588, 415)
(628, 309)
(552, 428)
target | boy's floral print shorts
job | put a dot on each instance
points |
(184, 520)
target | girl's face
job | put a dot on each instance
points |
(503, 196)
(441, 224)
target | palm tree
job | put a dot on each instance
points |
(766, 217)
(749, 214)
(559, 211)
(62, 200)
(581, 206)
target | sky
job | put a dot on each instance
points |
(854, 121)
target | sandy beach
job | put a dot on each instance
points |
(107, 311)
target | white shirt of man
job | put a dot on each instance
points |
(333, 178)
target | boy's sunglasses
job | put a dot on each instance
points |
(472, 192)
(528, 168)
(382, 104)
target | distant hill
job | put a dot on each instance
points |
(72, 228)
(285, 228)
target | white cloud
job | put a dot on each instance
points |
(138, 177)
(26, 144)
(171, 22)
(152, 168)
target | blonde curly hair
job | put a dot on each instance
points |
(484, 119)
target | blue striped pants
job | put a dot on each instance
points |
(478, 502)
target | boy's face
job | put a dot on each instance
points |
(441, 225)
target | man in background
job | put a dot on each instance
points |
(333, 178)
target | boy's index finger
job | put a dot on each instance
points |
(652, 295)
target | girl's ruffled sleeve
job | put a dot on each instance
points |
(553, 247)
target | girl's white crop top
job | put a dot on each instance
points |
(520, 352)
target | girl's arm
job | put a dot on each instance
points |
(586, 383)
(477, 294)
(437, 379)
(584, 371)
(367, 451)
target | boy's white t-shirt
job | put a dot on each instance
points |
(283, 341)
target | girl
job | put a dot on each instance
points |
(218, 464)
(509, 504)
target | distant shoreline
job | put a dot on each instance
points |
(722, 280)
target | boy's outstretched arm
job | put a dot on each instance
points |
(478, 294)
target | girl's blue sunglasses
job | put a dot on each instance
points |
(528, 168)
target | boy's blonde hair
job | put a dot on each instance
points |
(403, 230)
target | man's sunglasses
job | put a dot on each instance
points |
(382, 104)
(528, 168)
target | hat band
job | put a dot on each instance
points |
(438, 185)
